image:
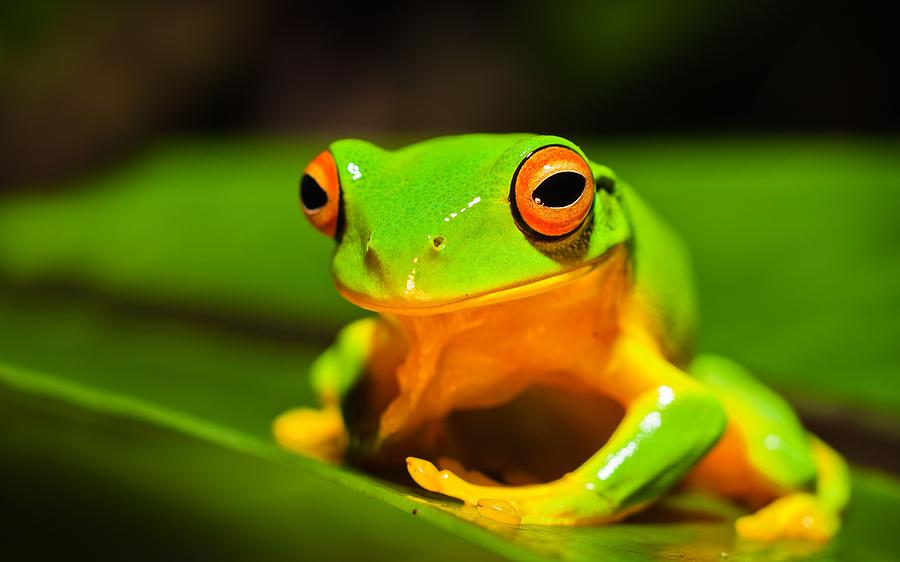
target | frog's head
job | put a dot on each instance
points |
(458, 221)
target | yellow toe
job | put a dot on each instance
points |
(316, 433)
(797, 516)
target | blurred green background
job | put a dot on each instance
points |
(161, 295)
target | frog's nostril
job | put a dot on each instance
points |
(371, 259)
(439, 243)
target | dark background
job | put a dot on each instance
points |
(84, 84)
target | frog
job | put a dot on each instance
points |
(514, 280)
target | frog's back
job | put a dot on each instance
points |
(663, 280)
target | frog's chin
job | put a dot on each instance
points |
(427, 307)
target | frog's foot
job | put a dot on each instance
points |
(795, 516)
(472, 476)
(315, 433)
(540, 504)
(510, 477)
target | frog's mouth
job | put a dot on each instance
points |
(538, 436)
(410, 307)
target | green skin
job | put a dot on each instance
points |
(458, 188)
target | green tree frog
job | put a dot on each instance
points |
(532, 353)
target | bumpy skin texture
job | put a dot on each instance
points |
(476, 308)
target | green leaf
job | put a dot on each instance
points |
(186, 293)
(700, 536)
(111, 488)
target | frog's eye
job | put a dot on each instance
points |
(320, 193)
(552, 192)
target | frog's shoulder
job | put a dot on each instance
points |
(663, 279)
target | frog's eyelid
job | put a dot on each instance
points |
(606, 183)
(341, 218)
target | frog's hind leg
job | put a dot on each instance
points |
(767, 456)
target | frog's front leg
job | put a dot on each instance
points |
(670, 422)
(320, 432)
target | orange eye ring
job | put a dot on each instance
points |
(320, 193)
(552, 192)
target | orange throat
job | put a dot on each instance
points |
(432, 371)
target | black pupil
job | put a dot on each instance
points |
(311, 194)
(559, 190)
